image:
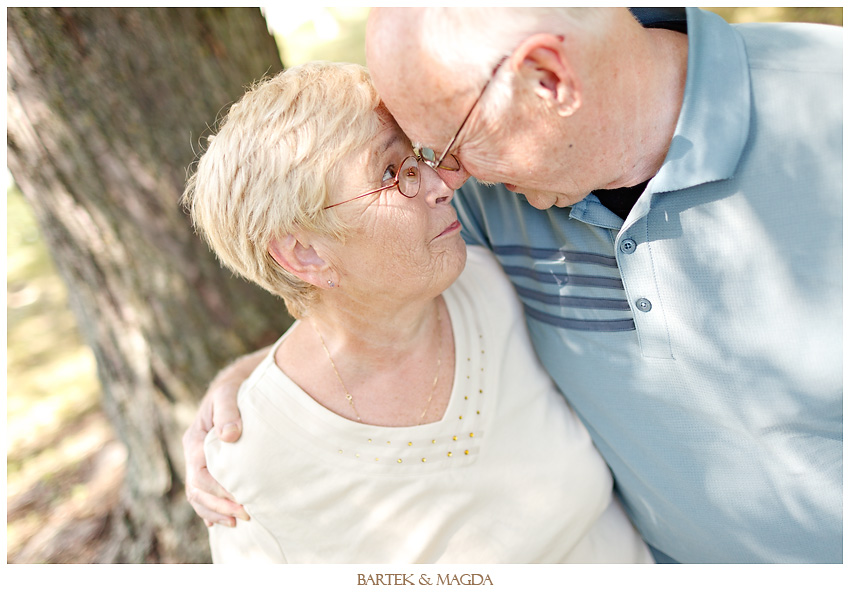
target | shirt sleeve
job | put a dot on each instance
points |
(248, 542)
(470, 214)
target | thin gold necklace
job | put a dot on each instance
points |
(348, 395)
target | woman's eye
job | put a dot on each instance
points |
(389, 174)
(411, 172)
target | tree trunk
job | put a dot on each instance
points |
(105, 110)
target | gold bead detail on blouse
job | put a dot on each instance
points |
(449, 454)
(454, 438)
(399, 460)
(466, 452)
(423, 460)
(471, 435)
(410, 443)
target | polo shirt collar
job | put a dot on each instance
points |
(714, 123)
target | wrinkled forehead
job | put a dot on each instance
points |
(428, 110)
(418, 91)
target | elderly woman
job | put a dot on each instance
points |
(404, 416)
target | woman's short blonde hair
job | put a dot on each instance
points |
(269, 169)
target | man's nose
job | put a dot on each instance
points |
(454, 180)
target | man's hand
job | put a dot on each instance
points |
(218, 410)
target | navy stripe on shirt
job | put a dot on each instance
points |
(564, 255)
(574, 301)
(579, 324)
(524, 262)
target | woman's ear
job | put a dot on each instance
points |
(541, 62)
(302, 260)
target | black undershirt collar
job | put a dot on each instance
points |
(621, 200)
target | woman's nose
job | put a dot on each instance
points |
(437, 188)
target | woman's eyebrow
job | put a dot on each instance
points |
(388, 143)
(376, 157)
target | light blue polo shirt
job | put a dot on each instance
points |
(701, 340)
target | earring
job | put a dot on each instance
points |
(330, 283)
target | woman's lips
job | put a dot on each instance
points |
(454, 226)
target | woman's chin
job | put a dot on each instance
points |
(455, 261)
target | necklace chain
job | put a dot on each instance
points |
(348, 395)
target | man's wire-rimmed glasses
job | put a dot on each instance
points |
(408, 178)
(445, 152)
(429, 156)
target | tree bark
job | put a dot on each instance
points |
(105, 111)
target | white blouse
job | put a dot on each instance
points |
(509, 475)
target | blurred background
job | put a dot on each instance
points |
(64, 466)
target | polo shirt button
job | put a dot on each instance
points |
(643, 305)
(628, 246)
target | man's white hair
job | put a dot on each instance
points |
(470, 41)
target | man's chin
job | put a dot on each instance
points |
(541, 199)
(545, 200)
(566, 201)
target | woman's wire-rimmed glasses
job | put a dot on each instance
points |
(407, 179)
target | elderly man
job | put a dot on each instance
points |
(678, 251)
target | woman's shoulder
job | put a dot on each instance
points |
(482, 266)
(232, 463)
(485, 282)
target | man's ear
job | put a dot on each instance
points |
(302, 260)
(541, 61)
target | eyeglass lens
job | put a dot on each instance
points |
(430, 156)
(409, 177)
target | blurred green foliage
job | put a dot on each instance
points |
(53, 419)
(334, 34)
(774, 14)
(50, 373)
(338, 34)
